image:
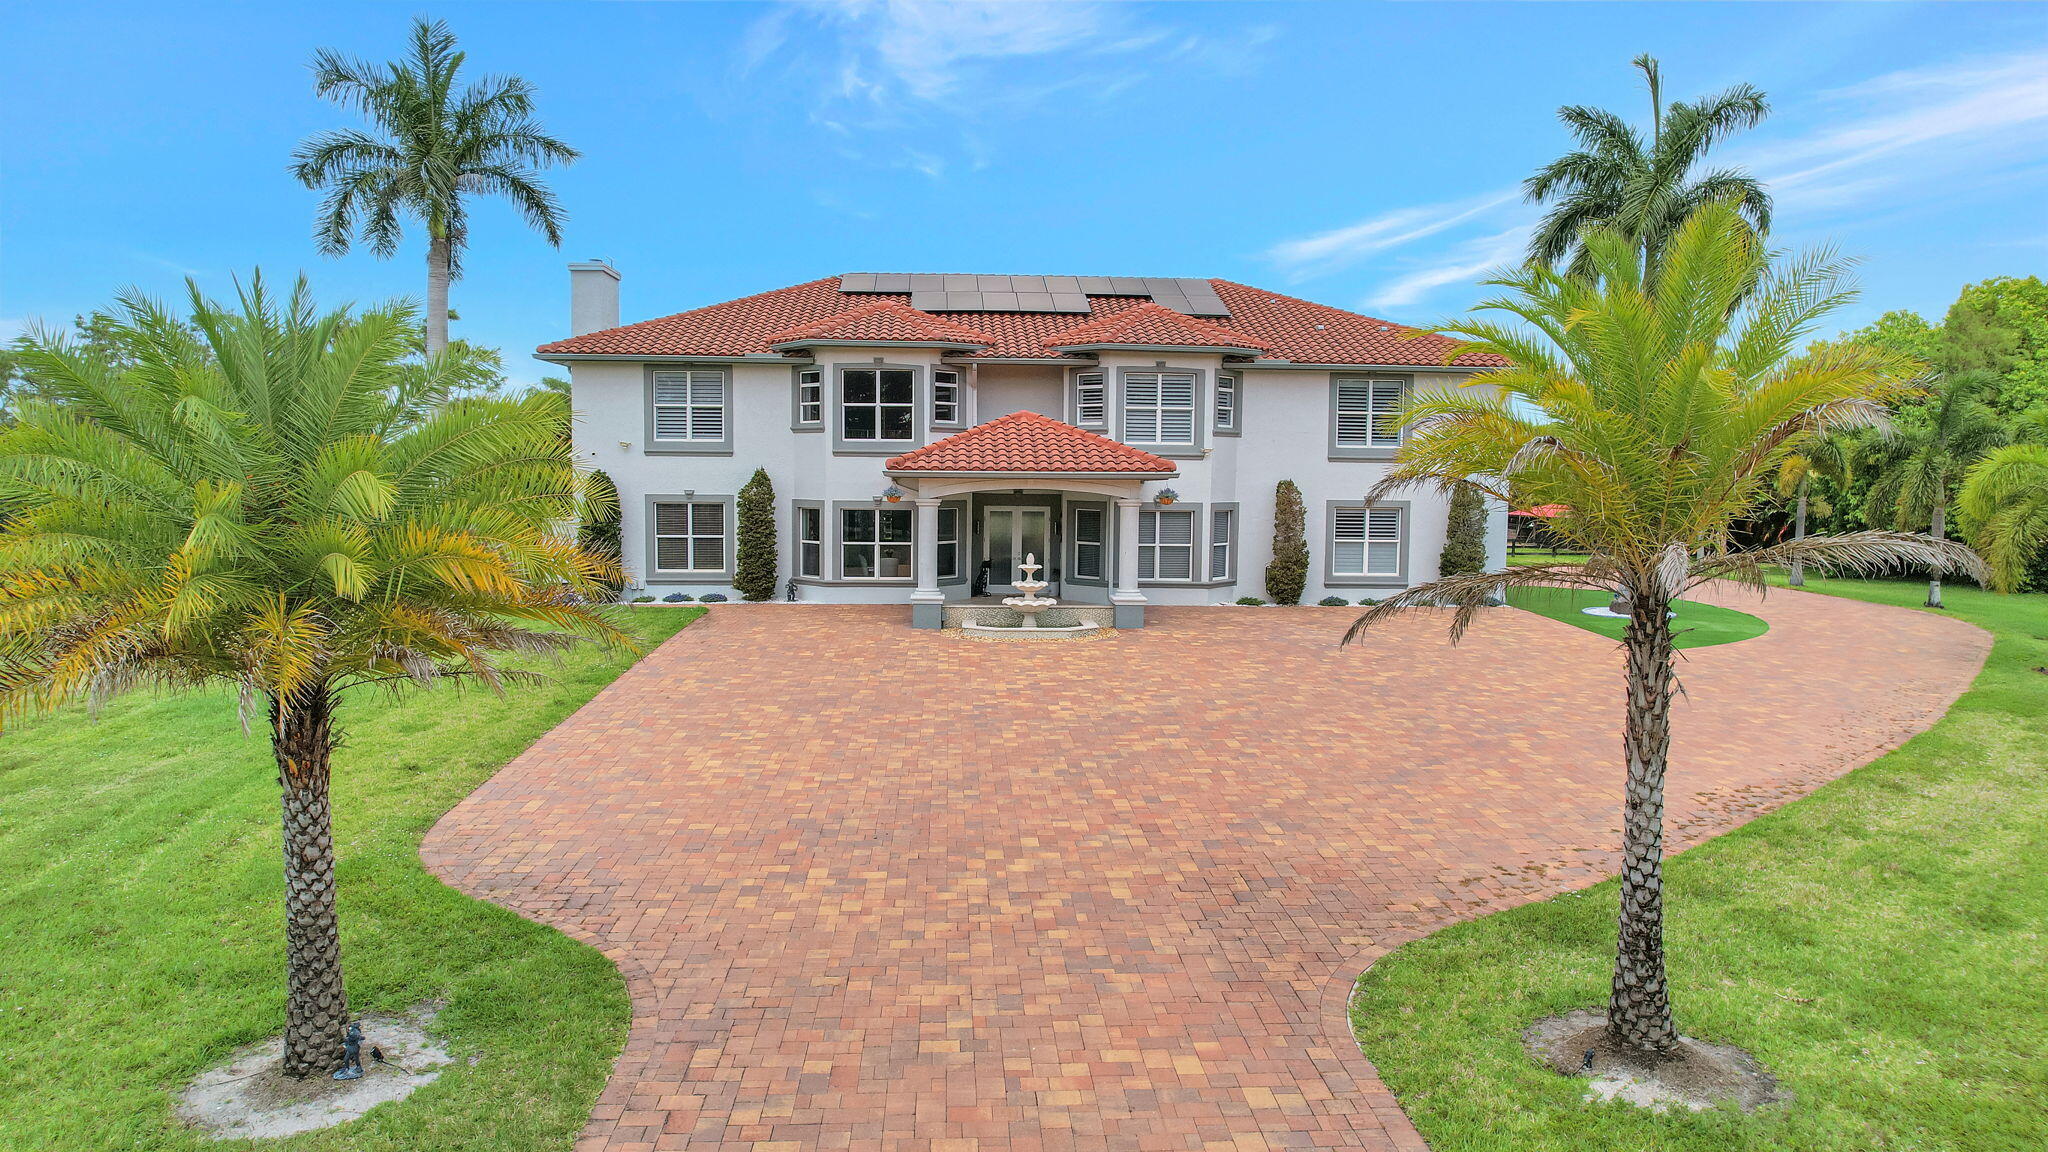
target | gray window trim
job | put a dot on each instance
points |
(655, 447)
(796, 542)
(837, 569)
(1200, 423)
(1074, 399)
(964, 538)
(1236, 541)
(1198, 533)
(920, 412)
(1354, 451)
(959, 419)
(671, 576)
(796, 398)
(1073, 544)
(1236, 425)
(1399, 579)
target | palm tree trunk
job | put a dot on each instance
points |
(437, 290)
(1639, 1009)
(1798, 578)
(1940, 533)
(316, 1006)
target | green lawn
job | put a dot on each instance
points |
(140, 919)
(1880, 945)
(1696, 625)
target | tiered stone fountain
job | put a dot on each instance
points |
(1027, 605)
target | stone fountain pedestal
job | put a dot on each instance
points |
(1028, 604)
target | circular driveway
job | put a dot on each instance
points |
(874, 888)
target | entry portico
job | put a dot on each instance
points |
(1073, 475)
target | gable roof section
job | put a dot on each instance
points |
(1152, 325)
(882, 322)
(1029, 442)
(1298, 331)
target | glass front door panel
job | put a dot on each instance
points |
(1008, 536)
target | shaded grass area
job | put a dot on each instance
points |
(1879, 945)
(142, 935)
(1696, 625)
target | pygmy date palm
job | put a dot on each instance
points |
(1921, 465)
(1643, 186)
(434, 145)
(1821, 457)
(259, 501)
(1659, 416)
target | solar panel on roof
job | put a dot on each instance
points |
(975, 292)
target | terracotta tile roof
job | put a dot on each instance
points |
(1155, 326)
(1028, 442)
(886, 321)
(1297, 330)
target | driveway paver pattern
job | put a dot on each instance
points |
(874, 888)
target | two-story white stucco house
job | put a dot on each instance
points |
(925, 432)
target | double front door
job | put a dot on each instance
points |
(1008, 535)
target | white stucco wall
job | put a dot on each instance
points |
(1285, 435)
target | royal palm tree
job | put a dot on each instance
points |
(1658, 416)
(262, 504)
(1822, 457)
(1919, 466)
(1643, 187)
(433, 145)
(2005, 500)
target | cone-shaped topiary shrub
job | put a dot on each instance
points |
(598, 531)
(1287, 575)
(1465, 536)
(754, 575)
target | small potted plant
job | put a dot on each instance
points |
(892, 494)
(1166, 496)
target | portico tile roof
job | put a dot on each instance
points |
(1156, 326)
(1297, 331)
(1028, 442)
(882, 321)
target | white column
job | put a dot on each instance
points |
(926, 599)
(1128, 601)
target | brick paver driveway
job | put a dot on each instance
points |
(875, 888)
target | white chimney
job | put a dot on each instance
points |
(593, 296)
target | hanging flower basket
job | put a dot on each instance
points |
(892, 494)
(1166, 496)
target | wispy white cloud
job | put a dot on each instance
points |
(1464, 263)
(1925, 126)
(1339, 248)
(877, 70)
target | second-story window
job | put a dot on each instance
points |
(1091, 401)
(1226, 402)
(1369, 413)
(877, 405)
(689, 405)
(1159, 408)
(945, 396)
(810, 396)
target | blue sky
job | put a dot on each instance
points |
(1363, 155)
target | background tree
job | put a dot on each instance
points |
(754, 570)
(1821, 457)
(256, 505)
(1287, 572)
(1658, 413)
(433, 145)
(1920, 466)
(1465, 534)
(1643, 187)
(2004, 502)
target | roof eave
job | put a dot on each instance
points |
(1304, 366)
(668, 358)
(978, 473)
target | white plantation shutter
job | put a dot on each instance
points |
(1166, 545)
(1219, 543)
(1386, 414)
(1369, 413)
(1383, 541)
(1226, 402)
(1091, 405)
(689, 405)
(1159, 408)
(689, 537)
(1365, 542)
